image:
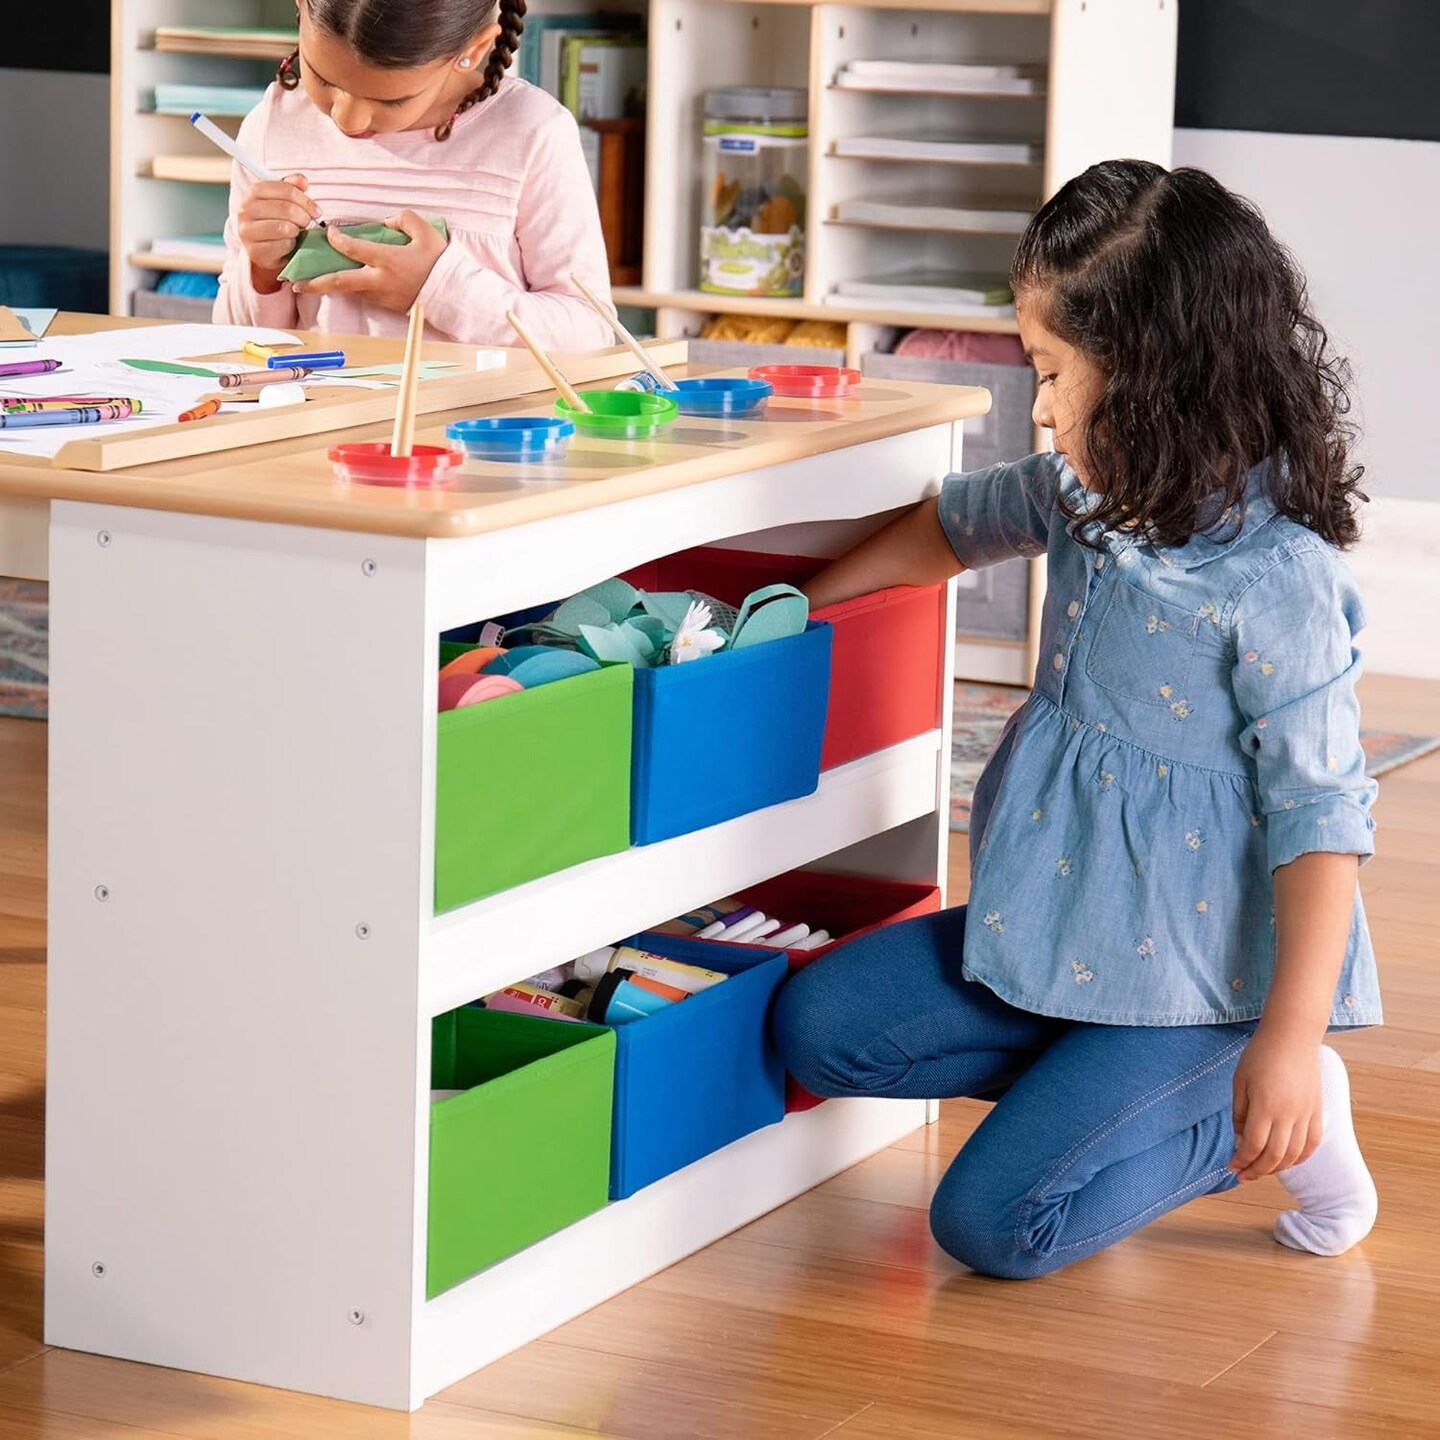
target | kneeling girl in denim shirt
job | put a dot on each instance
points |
(1164, 918)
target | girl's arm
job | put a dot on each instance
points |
(558, 230)
(1294, 680)
(912, 550)
(239, 301)
(977, 520)
(1277, 1084)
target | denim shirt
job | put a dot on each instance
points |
(1193, 726)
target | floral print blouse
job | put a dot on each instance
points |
(1193, 727)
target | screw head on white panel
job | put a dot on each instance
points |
(98, 1270)
(102, 539)
(356, 1315)
(102, 892)
(362, 931)
(368, 568)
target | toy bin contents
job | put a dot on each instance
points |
(752, 239)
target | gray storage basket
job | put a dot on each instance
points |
(152, 305)
(992, 603)
(732, 353)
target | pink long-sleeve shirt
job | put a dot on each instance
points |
(511, 183)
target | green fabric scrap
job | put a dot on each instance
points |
(315, 256)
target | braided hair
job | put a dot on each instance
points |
(402, 33)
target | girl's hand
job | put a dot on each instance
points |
(270, 220)
(390, 275)
(1278, 1104)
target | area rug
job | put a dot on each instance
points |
(24, 648)
(982, 710)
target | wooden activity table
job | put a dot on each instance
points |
(244, 958)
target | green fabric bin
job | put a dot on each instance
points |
(531, 783)
(525, 1151)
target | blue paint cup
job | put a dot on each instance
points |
(722, 397)
(512, 438)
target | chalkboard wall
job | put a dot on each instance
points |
(73, 35)
(1310, 67)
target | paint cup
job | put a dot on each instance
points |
(621, 414)
(373, 464)
(513, 439)
(808, 382)
(723, 397)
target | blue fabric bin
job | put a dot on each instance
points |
(699, 1074)
(728, 734)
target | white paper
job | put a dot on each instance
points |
(93, 364)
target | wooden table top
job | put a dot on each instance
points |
(291, 481)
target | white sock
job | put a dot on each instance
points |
(1336, 1194)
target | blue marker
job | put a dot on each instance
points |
(321, 360)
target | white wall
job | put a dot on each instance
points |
(54, 159)
(1362, 217)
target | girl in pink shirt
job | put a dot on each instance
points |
(377, 116)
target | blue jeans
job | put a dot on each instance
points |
(1098, 1129)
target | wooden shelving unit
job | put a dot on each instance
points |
(1088, 53)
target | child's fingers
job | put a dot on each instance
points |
(267, 230)
(341, 282)
(1251, 1146)
(410, 224)
(365, 252)
(1272, 1157)
(283, 206)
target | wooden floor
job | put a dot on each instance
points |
(837, 1315)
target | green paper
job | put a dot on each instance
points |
(618, 644)
(315, 255)
(770, 613)
(582, 609)
(429, 370)
(171, 367)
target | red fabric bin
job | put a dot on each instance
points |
(886, 654)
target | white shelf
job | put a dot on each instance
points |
(144, 260)
(921, 226)
(478, 948)
(703, 303)
(522, 1297)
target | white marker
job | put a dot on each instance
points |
(213, 133)
(813, 942)
(788, 938)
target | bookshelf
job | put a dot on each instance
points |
(1084, 54)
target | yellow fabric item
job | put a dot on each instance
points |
(819, 334)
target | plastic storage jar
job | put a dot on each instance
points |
(752, 238)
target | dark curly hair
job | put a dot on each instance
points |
(401, 33)
(1199, 322)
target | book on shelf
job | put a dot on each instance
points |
(931, 212)
(603, 79)
(953, 291)
(542, 37)
(189, 247)
(208, 169)
(252, 42)
(939, 148)
(941, 79)
(232, 100)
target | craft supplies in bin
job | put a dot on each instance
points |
(729, 701)
(695, 1068)
(514, 439)
(752, 240)
(525, 1149)
(886, 653)
(531, 782)
(840, 907)
(694, 1077)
